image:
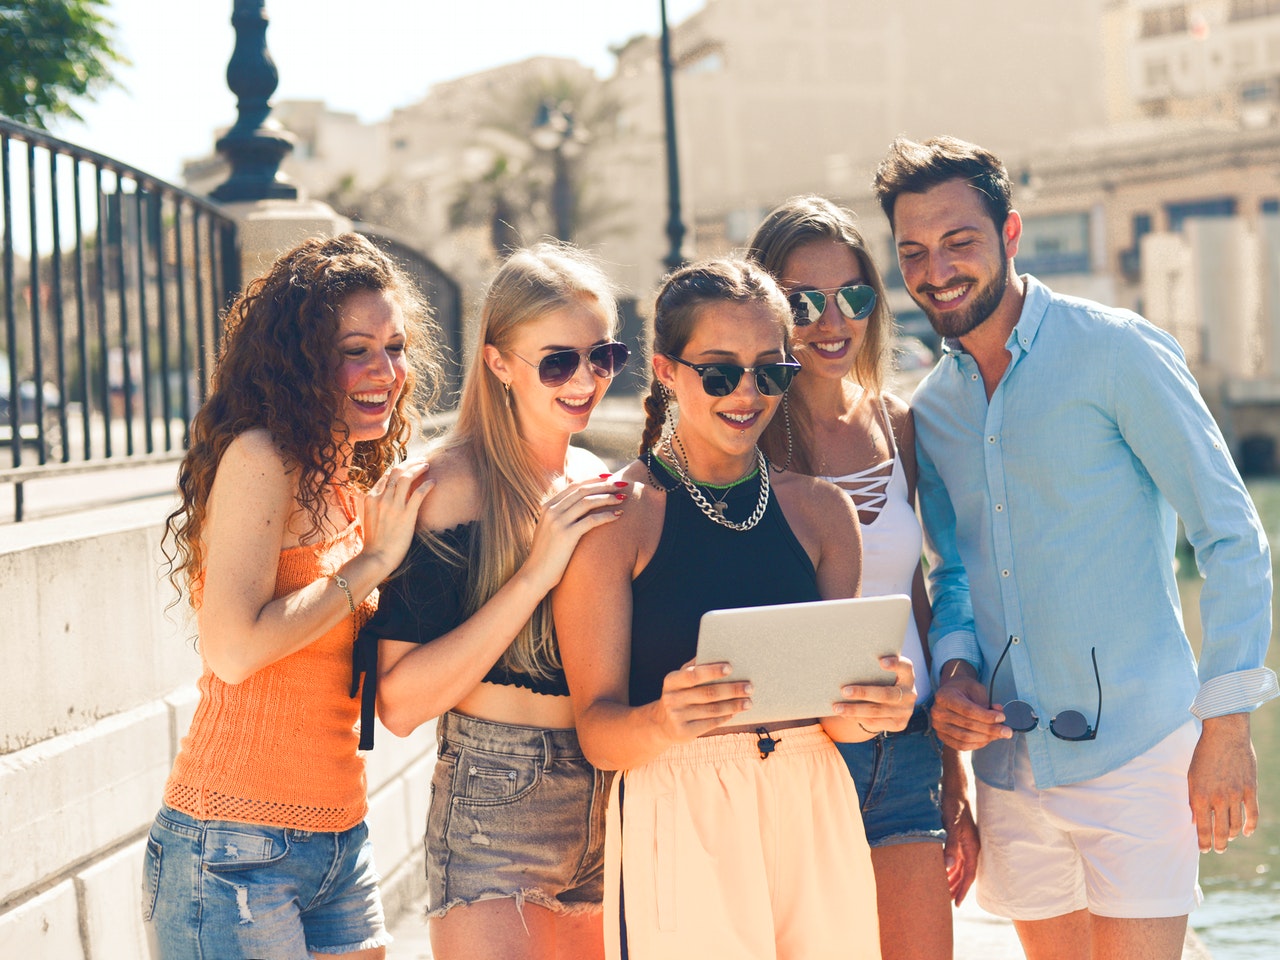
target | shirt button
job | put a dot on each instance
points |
(973, 376)
(1004, 573)
(999, 507)
(991, 439)
(1016, 640)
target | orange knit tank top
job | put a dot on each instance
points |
(280, 748)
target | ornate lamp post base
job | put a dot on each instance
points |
(255, 157)
(254, 146)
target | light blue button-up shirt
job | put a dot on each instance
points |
(1050, 518)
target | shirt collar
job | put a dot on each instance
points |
(1035, 303)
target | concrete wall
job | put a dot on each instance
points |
(97, 692)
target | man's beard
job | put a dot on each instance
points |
(957, 323)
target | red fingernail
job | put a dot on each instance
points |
(619, 483)
(621, 496)
(605, 476)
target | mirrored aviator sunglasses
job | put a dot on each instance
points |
(606, 361)
(855, 302)
(721, 379)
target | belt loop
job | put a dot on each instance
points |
(548, 750)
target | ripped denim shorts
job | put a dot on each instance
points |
(231, 890)
(516, 812)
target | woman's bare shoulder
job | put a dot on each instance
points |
(899, 409)
(455, 497)
(641, 515)
(253, 462)
(815, 500)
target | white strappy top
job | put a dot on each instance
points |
(891, 542)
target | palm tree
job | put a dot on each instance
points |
(535, 177)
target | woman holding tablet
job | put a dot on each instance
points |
(516, 819)
(843, 426)
(724, 839)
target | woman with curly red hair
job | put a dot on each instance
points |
(292, 512)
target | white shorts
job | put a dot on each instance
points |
(1121, 845)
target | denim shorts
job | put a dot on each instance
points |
(516, 812)
(899, 781)
(223, 890)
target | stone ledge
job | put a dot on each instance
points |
(69, 798)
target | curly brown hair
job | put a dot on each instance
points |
(276, 369)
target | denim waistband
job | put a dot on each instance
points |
(508, 738)
(919, 723)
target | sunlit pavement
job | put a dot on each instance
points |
(978, 936)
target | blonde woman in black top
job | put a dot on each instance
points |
(514, 830)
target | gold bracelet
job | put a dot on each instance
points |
(341, 581)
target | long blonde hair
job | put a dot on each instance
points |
(794, 223)
(531, 283)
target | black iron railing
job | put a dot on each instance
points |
(111, 291)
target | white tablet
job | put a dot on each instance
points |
(798, 655)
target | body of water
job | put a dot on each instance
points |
(1240, 917)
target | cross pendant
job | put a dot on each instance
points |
(720, 507)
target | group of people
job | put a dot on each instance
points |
(598, 791)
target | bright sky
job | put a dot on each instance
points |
(362, 56)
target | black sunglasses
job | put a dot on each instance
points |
(1068, 725)
(721, 379)
(855, 302)
(606, 361)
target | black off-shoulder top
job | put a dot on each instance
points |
(424, 600)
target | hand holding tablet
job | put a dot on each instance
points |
(798, 656)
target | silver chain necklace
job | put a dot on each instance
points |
(708, 508)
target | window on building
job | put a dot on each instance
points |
(1269, 205)
(1054, 244)
(1252, 9)
(709, 61)
(1141, 227)
(1131, 259)
(1179, 213)
(890, 272)
(739, 223)
(1161, 21)
(1259, 91)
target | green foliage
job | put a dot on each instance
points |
(51, 53)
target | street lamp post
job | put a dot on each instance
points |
(554, 131)
(675, 225)
(254, 146)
